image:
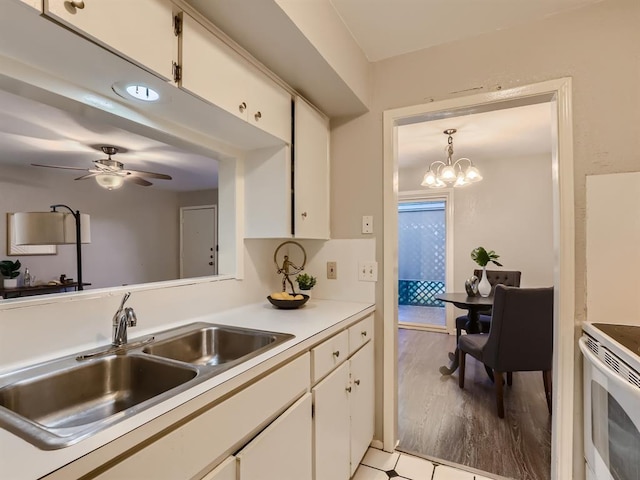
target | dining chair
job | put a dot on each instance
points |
(520, 338)
(510, 278)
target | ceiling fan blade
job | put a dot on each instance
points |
(142, 173)
(138, 180)
(58, 166)
(88, 175)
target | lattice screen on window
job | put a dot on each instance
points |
(421, 256)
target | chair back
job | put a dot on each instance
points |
(510, 278)
(521, 335)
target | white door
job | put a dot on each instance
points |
(198, 241)
(332, 430)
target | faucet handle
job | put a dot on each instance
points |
(124, 300)
(132, 320)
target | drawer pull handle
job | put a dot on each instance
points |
(363, 333)
(258, 116)
(336, 353)
(242, 107)
(79, 4)
(304, 214)
(348, 389)
(357, 382)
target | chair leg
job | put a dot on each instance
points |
(458, 333)
(546, 378)
(499, 393)
(462, 356)
(509, 378)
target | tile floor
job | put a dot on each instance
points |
(379, 465)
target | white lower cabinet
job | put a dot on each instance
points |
(344, 416)
(283, 450)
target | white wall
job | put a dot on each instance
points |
(134, 230)
(198, 198)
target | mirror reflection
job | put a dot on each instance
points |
(153, 206)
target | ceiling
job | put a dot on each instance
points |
(386, 28)
(499, 134)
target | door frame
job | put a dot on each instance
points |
(215, 234)
(445, 195)
(558, 93)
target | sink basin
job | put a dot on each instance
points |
(216, 345)
(59, 405)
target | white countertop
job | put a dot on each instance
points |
(317, 320)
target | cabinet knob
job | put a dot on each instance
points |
(357, 382)
(336, 353)
(211, 264)
(363, 333)
(79, 4)
(258, 116)
(242, 107)
(348, 389)
(304, 214)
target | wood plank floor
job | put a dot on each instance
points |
(438, 419)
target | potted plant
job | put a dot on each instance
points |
(305, 282)
(482, 258)
(10, 271)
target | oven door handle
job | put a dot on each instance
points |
(611, 374)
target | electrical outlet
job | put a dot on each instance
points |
(332, 270)
(367, 224)
(368, 271)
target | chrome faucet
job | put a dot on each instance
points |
(124, 317)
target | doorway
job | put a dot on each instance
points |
(424, 266)
(558, 94)
(198, 241)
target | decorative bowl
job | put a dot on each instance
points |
(288, 304)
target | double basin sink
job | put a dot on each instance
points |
(56, 404)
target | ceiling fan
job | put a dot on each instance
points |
(111, 174)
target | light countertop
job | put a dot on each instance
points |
(317, 320)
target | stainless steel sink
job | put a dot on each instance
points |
(216, 345)
(56, 404)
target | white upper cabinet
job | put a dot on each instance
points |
(311, 173)
(214, 72)
(140, 30)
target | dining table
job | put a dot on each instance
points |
(474, 305)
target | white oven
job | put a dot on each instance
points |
(611, 402)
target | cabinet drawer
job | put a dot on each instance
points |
(326, 356)
(360, 333)
(189, 450)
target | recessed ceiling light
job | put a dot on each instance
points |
(142, 92)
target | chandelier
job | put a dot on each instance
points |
(447, 174)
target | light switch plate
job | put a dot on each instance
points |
(368, 271)
(332, 270)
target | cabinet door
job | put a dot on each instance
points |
(311, 173)
(361, 403)
(331, 422)
(117, 25)
(211, 70)
(225, 471)
(268, 105)
(283, 450)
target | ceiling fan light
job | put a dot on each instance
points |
(109, 181)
